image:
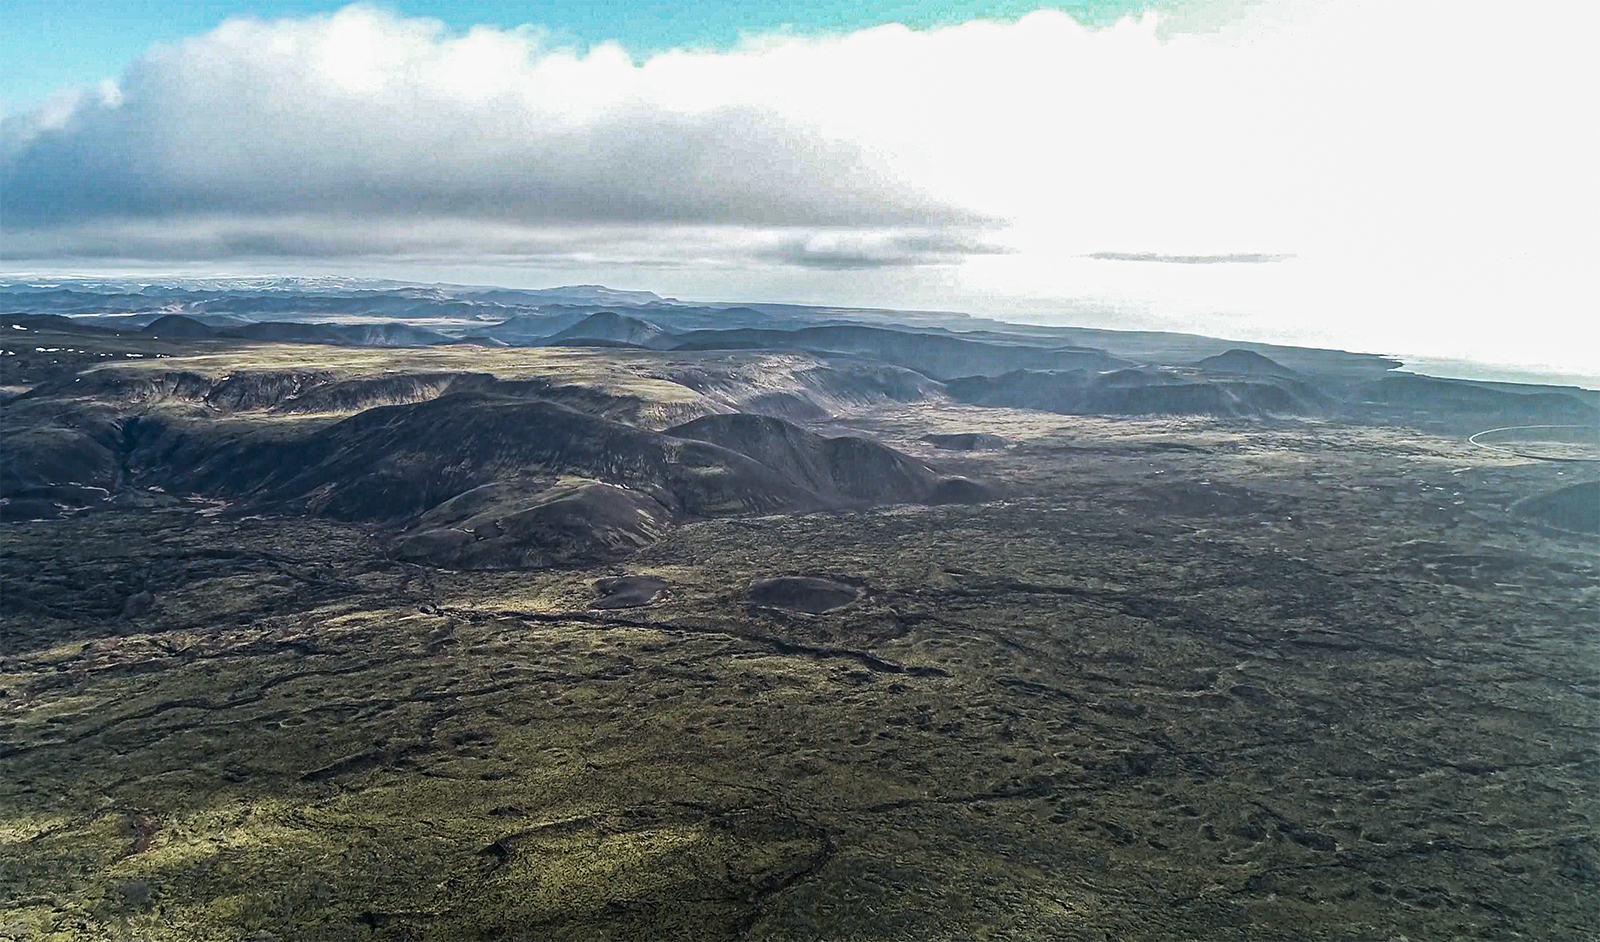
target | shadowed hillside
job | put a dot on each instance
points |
(1141, 392)
(476, 470)
(608, 326)
(1575, 507)
(1463, 406)
(839, 470)
(1245, 362)
(179, 327)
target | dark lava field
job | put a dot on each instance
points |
(606, 622)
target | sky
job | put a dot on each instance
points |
(1399, 176)
(50, 44)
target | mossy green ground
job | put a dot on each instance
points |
(1359, 705)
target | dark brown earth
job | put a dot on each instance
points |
(628, 591)
(1232, 678)
(1575, 507)
(808, 594)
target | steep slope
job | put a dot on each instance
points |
(480, 480)
(532, 327)
(797, 386)
(305, 391)
(840, 470)
(1575, 507)
(613, 328)
(57, 450)
(567, 524)
(1245, 363)
(179, 327)
(392, 462)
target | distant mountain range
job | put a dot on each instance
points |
(519, 317)
(982, 361)
(326, 286)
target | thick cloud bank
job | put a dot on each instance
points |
(364, 132)
(1396, 175)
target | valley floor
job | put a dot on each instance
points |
(1188, 679)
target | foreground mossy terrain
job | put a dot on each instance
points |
(1188, 678)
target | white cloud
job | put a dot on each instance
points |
(364, 112)
(1429, 167)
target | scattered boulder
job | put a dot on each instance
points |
(135, 894)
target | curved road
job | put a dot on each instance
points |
(1473, 440)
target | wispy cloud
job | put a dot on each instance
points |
(868, 250)
(1237, 258)
(613, 245)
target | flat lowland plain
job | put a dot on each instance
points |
(1183, 678)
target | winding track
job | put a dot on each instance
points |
(1473, 440)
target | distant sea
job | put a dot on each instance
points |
(1495, 372)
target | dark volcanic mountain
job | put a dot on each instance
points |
(937, 355)
(611, 327)
(533, 328)
(1464, 406)
(500, 526)
(838, 470)
(528, 480)
(1247, 363)
(493, 467)
(179, 327)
